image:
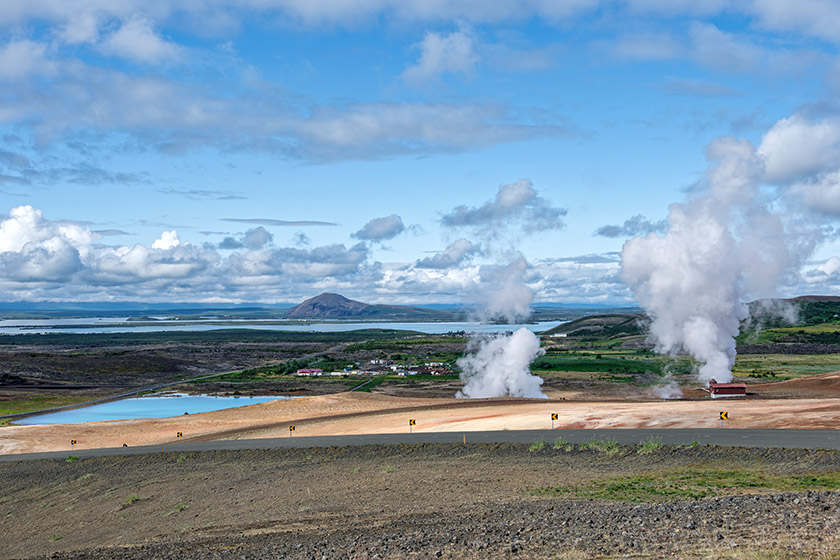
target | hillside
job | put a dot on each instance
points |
(336, 306)
(603, 326)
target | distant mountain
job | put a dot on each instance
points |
(326, 305)
(336, 306)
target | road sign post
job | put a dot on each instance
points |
(553, 418)
(723, 416)
(410, 424)
(291, 429)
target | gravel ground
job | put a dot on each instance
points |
(419, 501)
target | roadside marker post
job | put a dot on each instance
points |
(723, 416)
(553, 418)
(291, 429)
(410, 424)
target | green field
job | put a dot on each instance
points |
(693, 483)
(784, 366)
(38, 402)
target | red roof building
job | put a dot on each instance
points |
(718, 390)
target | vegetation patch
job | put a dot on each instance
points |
(602, 446)
(38, 402)
(131, 500)
(651, 445)
(693, 483)
(537, 446)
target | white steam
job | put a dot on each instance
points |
(509, 298)
(499, 366)
(668, 389)
(724, 245)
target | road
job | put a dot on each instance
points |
(792, 439)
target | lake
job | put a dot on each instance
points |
(160, 406)
(122, 325)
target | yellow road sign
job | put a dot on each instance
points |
(412, 422)
(554, 416)
(291, 428)
(180, 434)
(724, 416)
(72, 442)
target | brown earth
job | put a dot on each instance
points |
(421, 501)
(813, 386)
(361, 413)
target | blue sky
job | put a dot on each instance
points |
(269, 150)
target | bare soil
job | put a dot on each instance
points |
(419, 501)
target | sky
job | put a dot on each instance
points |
(405, 151)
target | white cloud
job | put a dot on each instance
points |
(21, 59)
(451, 54)
(515, 204)
(137, 40)
(80, 28)
(821, 194)
(635, 225)
(381, 229)
(814, 18)
(168, 240)
(717, 49)
(827, 272)
(650, 46)
(798, 147)
(454, 255)
(43, 258)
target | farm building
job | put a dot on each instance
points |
(718, 390)
(309, 372)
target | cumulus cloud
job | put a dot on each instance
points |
(799, 146)
(168, 240)
(64, 259)
(137, 40)
(826, 272)
(636, 225)
(515, 203)
(454, 255)
(381, 229)
(253, 239)
(257, 238)
(439, 54)
(32, 248)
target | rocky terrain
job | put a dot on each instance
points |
(422, 501)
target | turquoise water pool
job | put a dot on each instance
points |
(160, 406)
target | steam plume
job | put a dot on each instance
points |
(722, 246)
(499, 365)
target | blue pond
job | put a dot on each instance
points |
(173, 404)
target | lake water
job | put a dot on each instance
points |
(122, 325)
(174, 404)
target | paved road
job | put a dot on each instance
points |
(794, 439)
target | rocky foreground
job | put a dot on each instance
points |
(423, 501)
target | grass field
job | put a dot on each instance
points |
(693, 483)
(784, 366)
(38, 402)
